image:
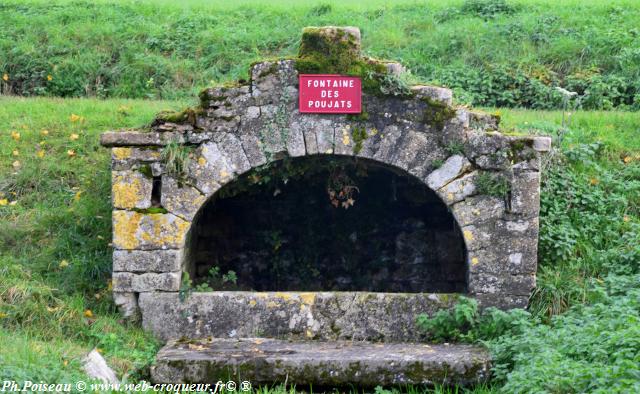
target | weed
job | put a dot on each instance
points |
(496, 185)
(454, 148)
(176, 158)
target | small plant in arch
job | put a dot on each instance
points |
(496, 185)
(176, 158)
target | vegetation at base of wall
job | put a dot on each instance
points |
(55, 299)
(506, 53)
(464, 323)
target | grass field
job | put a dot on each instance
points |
(55, 231)
(492, 52)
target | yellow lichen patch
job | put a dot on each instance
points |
(125, 226)
(126, 193)
(131, 229)
(308, 298)
(165, 232)
(345, 137)
(468, 235)
(309, 334)
(121, 153)
(474, 261)
(202, 161)
(284, 296)
(252, 303)
(272, 304)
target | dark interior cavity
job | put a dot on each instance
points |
(326, 223)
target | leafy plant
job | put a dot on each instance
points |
(465, 323)
(215, 281)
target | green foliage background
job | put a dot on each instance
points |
(491, 52)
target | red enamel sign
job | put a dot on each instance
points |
(330, 94)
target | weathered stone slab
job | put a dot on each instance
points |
(478, 209)
(136, 138)
(325, 364)
(211, 169)
(231, 148)
(525, 194)
(321, 315)
(147, 260)
(134, 230)
(130, 189)
(455, 166)
(459, 189)
(181, 199)
(150, 281)
(435, 93)
(124, 158)
(505, 283)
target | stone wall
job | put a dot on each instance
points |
(488, 180)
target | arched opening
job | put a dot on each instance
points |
(326, 223)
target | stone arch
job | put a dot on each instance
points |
(489, 180)
(449, 258)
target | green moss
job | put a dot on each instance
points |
(359, 135)
(146, 171)
(437, 113)
(322, 54)
(151, 210)
(362, 116)
(187, 115)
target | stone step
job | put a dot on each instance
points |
(319, 364)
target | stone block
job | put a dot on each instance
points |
(180, 199)
(131, 189)
(478, 209)
(147, 260)
(150, 281)
(134, 230)
(505, 283)
(525, 194)
(459, 189)
(455, 166)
